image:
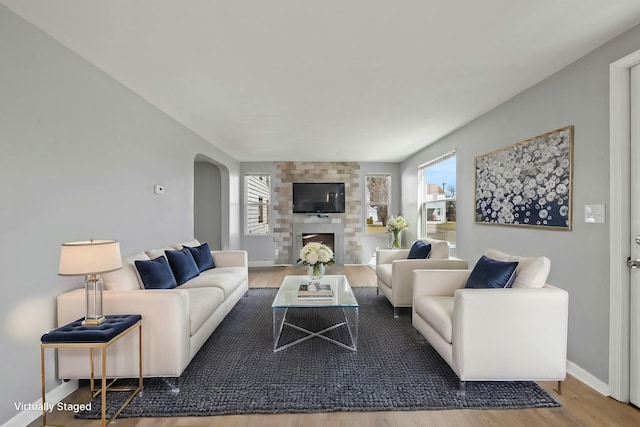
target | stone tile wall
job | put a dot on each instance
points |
(290, 172)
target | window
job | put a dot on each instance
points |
(378, 189)
(437, 199)
(257, 190)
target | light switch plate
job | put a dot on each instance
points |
(594, 214)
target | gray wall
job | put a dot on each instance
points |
(579, 96)
(79, 156)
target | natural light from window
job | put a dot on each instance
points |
(257, 192)
(377, 196)
(437, 199)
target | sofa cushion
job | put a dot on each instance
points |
(192, 243)
(437, 311)
(156, 273)
(226, 278)
(419, 250)
(491, 273)
(384, 272)
(125, 279)
(202, 303)
(155, 253)
(532, 272)
(182, 264)
(202, 255)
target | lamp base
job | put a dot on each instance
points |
(94, 322)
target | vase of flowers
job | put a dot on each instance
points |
(316, 256)
(395, 225)
(316, 271)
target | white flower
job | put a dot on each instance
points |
(396, 223)
(314, 253)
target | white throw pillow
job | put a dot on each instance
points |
(155, 253)
(532, 272)
(125, 279)
(439, 248)
(191, 243)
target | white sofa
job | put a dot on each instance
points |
(509, 334)
(176, 322)
(394, 270)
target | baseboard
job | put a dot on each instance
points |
(273, 264)
(588, 379)
(266, 264)
(54, 396)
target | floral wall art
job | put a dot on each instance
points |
(527, 184)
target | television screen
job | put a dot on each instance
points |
(318, 197)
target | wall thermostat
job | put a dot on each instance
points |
(594, 214)
(158, 189)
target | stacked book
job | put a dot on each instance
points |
(315, 292)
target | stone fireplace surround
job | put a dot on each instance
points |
(346, 226)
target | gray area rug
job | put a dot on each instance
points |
(237, 372)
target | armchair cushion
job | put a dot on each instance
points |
(384, 273)
(490, 273)
(532, 272)
(438, 312)
(419, 250)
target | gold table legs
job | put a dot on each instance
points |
(104, 388)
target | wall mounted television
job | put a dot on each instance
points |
(318, 197)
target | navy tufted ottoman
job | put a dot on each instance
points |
(77, 335)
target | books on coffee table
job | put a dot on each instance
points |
(315, 291)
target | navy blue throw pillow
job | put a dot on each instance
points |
(182, 264)
(419, 250)
(156, 274)
(490, 273)
(202, 255)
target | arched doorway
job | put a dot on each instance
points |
(209, 199)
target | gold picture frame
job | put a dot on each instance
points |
(527, 184)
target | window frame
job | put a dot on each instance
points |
(260, 207)
(368, 203)
(423, 209)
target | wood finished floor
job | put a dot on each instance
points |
(582, 406)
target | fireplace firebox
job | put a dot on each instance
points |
(326, 239)
(330, 234)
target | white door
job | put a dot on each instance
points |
(634, 241)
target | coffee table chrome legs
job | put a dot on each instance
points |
(351, 322)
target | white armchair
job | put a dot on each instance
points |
(509, 334)
(394, 270)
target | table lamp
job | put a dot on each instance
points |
(90, 259)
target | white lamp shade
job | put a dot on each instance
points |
(89, 257)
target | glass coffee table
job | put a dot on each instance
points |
(342, 300)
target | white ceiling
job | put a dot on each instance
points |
(349, 80)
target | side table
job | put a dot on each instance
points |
(77, 335)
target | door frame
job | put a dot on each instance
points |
(619, 224)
